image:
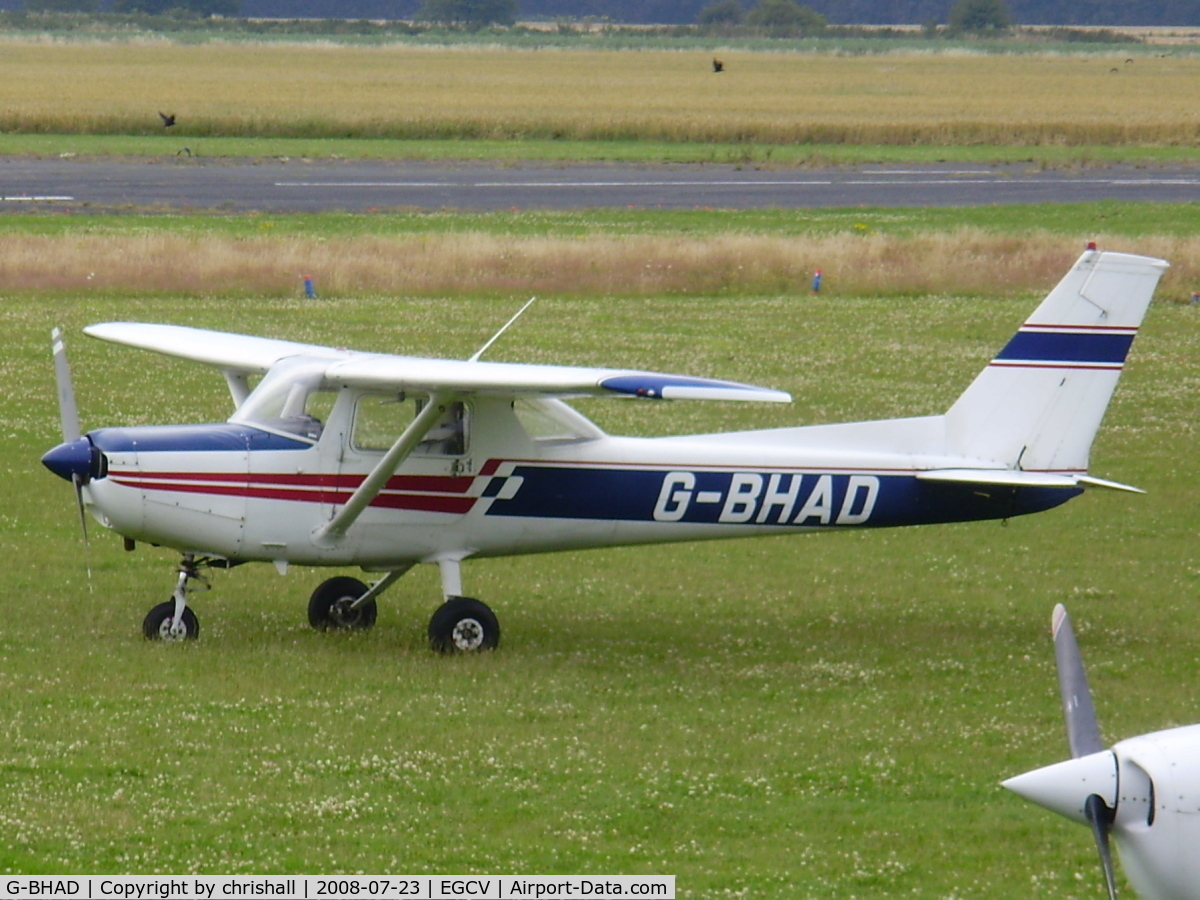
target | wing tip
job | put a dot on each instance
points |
(1057, 618)
(653, 386)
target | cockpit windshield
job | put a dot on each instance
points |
(290, 399)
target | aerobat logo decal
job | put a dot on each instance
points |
(701, 497)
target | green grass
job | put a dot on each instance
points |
(1113, 217)
(792, 718)
(534, 150)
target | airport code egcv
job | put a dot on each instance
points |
(313, 887)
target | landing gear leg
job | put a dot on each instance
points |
(461, 624)
(174, 620)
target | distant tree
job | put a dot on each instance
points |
(192, 7)
(468, 13)
(785, 18)
(979, 17)
(79, 6)
(722, 14)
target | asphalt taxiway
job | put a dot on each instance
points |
(277, 185)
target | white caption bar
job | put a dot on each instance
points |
(336, 887)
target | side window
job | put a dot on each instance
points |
(378, 421)
(449, 436)
(381, 418)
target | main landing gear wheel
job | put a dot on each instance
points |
(330, 608)
(463, 625)
(157, 626)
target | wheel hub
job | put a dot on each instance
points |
(169, 631)
(343, 614)
(468, 634)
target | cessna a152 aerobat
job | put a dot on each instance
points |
(340, 458)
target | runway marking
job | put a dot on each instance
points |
(537, 184)
(34, 198)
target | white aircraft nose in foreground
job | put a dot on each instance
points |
(1144, 792)
(339, 458)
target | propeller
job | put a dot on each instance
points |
(1083, 731)
(75, 458)
(1078, 787)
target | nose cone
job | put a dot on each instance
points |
(1064, 787)
(71, 460)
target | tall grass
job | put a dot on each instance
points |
(421, 92)
(963, 260)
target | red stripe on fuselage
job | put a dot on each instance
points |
(423, 502)
(442, 484)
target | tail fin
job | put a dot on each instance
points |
(1038, 404)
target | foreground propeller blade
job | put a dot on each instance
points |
(67, 410)
(1100, 817)
(1083, 731)
(87, 547)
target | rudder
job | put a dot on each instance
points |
(1038, 404)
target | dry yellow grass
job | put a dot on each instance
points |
(964, 261)
(405, 91)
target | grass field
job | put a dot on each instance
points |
(803, 717)
(775, 718)
(404, 92)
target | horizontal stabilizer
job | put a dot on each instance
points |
(1020, 478)
(1089, 481)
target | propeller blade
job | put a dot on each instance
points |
(67, 410)
(1100, 817)
(1083, 730)
(87, 547)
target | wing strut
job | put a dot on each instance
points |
(335, 528)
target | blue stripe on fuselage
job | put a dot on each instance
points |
(1075, 347)
(191, 438)
(760, 498)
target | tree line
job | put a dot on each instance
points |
(474, 13)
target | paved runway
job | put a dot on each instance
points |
(300, 186)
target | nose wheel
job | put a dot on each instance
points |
(173, 620)
(161, 624)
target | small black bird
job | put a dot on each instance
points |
(718, 65)
(167, 121)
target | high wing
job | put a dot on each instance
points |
(237, 352)
(244, 354)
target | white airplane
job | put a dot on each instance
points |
(1144, 792)
(338, 458)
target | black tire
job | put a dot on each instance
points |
(157, 624)
(463, 625)
(329, 606)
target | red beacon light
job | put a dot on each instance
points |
(1091, 245)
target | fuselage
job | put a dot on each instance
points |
(523, 477)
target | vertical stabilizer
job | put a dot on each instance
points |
(1038, 404)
